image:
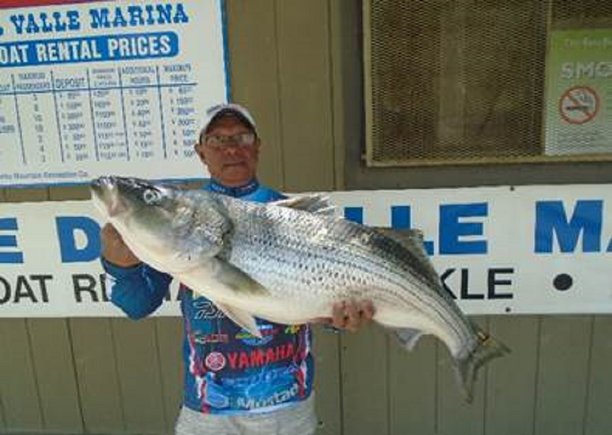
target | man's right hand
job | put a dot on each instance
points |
(115, 250)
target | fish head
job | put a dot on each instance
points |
(163, 225)
(122, 197)
(142, 212)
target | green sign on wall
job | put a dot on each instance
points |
(578, 103)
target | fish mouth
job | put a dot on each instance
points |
(104, 194)
(102, 184)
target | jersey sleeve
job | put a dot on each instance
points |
(138, 291)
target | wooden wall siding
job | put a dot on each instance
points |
(97, 375)
(297, 66)
(169, 333)
(305, 94)
(510, 399)
(279, 52)
(412, 381)
(365, 383)
(563, 374)
(328, 382)
(20, 395)
(253, 49)
(598, 416)
(454, 415)
(347, 84)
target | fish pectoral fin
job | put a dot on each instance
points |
(226, 281)
(235, 280)
(314, 203)
(241, 318)
(221, 282)
(408, 337)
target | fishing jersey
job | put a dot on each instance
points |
(226, 369)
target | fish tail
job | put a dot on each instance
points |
(466, 368)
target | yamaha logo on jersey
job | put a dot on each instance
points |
(215, 361)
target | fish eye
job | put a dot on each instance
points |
(151, 196)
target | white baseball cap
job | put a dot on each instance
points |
(227, 109)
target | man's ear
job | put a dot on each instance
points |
(199, 149)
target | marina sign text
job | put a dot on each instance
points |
(534, 249)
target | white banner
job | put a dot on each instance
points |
(106, 87)
(517, 250)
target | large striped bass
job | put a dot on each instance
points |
(289, 262)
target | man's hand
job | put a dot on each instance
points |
(114, 248)
(350, 315)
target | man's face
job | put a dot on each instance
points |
(229, 161)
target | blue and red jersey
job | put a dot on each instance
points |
(227, 370)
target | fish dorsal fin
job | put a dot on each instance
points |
(412, 240)
(314, 203)
(241, 318)
(409, 238)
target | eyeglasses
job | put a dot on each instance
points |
(217, 141)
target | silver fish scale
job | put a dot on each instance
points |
(392, 263)
(308, 255)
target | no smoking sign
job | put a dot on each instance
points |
(579, 105)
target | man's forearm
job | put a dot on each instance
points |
(138, 290)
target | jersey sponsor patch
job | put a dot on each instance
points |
(260, 357)
(268, 333)
(211, 338)
(215, 361)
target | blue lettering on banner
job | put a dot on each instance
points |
(9, 241)
(400, 216)
(451, 229)
(103, 17)
(354, 214)
(551, 218)
(67, 226)
(136, 15)
(45, 23)
(89, 49)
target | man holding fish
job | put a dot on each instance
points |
(236, 380)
